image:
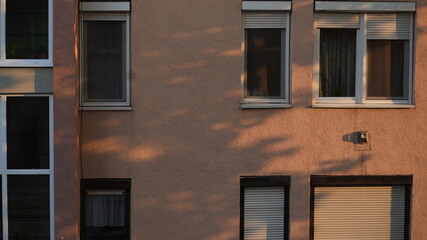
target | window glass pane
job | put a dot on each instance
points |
(28, 207)
(105, 215)
(264, 62)
(27, 132)
(27, 29)
(104, 60)
(337, 62)
(387, 69)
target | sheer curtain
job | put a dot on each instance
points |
(105, 210)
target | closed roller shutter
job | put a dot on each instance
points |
(359, 213)
(338, 20)
(264, 212)
(265, 19)
(389, 26)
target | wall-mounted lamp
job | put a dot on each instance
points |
(362, 137)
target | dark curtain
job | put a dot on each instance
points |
(386, 66)
(104, 60)
(337, 62)
(263, 62)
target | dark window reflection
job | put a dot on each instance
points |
(387, 69)
(337, 62)
(27, 29)
(264, 62)
(104, 56)
(28, 207)
(27, 132)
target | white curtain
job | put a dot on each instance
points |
(105, 210)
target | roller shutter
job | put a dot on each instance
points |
(265, 19)
(359, 213)
(389, 26)
(338, 20)
(264, 212)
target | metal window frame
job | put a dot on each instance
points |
(107, 16)
(268, 102)
(6, 172)
(25, 62)
(360, 99)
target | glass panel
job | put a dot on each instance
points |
(105, 216)
(387, 69)
(28, 206)
(27, 132)
(337, 62)
(27, 27)
(264, 62)
(104, 58)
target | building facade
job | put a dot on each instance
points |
(213, 119)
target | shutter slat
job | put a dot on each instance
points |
(359, 213)
(264, 213)
(265, 19)
(388, 26)
(338, 20)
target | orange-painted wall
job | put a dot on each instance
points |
(187, 142)
(66, 121)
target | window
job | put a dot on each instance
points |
(266, 52)
(26, 35)
(360, 207)
(104, 48)
(26, 167)
(363, 59)
(264, 207)
(105, 209)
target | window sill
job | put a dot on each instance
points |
(264, 105)
(106, 108)
(383, 106)
(26, 63)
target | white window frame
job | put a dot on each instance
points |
(25, 62)
(250, 7)
(110, 16)
(360, 99)
(6, 172)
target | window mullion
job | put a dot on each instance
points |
(3, 166)
(50, 31)
(362, 83)
(3, 136)
(286, 79)
(4, 207)
(316, 73)
(283, 63)
(3, 30)
(411, 57)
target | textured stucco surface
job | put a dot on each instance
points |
(66, 122)
(187, 142)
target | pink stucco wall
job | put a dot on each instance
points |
(187, 142)
(66, 122)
